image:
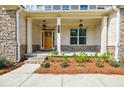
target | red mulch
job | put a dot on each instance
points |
(5, 70)
(89, 67)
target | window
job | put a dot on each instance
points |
(74, 7)
(92, 6)
(48, 7)
(83, 7)
(82, 36)
(73, 36)
(56, 7)
(77, 36)
(65, 7)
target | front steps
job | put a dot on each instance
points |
(35, 59)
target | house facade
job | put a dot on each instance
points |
(75, 28)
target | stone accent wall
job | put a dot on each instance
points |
(35, 48)
(80, 48)
(121, 52)
(23, 51)
(8, 34)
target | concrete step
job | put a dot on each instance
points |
(35, 60)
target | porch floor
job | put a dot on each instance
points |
(46, 53)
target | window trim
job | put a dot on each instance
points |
(65, 9)
(77, 37)
(48, 9)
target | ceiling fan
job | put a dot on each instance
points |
(45, 27)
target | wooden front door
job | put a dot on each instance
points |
(48, 40)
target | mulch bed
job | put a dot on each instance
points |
(5, 70)
(89, 67)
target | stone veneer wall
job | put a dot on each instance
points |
(23, 51)
(8, 34)
(121, 52)
(80, 48)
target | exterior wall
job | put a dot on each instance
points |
(22, 33)
(8, 34)
(111, 32)
(92, 39)
(121, 52)
(36, 36)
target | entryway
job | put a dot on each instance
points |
(48, 40)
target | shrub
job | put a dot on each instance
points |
(106, 56)
(4, 63)
(45, 64)
(80, 65)
(64, 64)
(65, 59)
(114, 63)
(54, 53)
(99, 64)
(82, 57)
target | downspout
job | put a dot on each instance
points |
(117, 44)
(17, 35)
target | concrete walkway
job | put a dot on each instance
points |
(24, 77)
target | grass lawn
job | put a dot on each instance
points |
(8, 69)
(70, 65)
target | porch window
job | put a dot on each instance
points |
(78, 36)
(65, 7)
(48, 7)
(83, 7)
(73, 36)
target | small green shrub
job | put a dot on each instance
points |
(4, 63)
(99, 64)
(54, 53)
(64, 64)
(106, 56)
(45, 64)
(114, 63)
(80, 65)
(65, 59)
(82, 57)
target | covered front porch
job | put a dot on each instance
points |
(61, 32)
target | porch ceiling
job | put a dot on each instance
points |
(69, 22)
(86, 13)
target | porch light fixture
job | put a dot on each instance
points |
(80, 25)
(44, 24)
(45, 27)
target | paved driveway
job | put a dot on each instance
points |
(23, 77)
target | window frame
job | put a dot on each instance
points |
(47, 9)
(83, 7)
(66, 7)
(78, 36)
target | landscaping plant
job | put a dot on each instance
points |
(65, 62)
(114, 63)
(45, 64)
(82, 57)
(99, 64)
(106, 56)
(4, 63)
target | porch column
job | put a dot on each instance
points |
(59, 35)
(104, 34)
(29, 35)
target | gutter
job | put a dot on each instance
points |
(17, 36)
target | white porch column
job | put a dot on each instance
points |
(104, 34)
(117, 44)
(29, 35)
(59, 35)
